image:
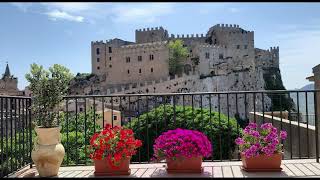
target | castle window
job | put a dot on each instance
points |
(215, 41)
(139, 58)
(246, 46)
(114, 117)
(207, 55)
(127, 59)
(238, 46)
(110, 50)
(110, 66)
(98, 59)
(220, 56)
(151, 56)
(140, 71)
(98, 67)
(128, 71)
(98, 51)
(151, 69)
(110, 58)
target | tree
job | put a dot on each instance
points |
(48, 88)
(220, 130)
(177, 54)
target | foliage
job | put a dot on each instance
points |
(76, 132)
(177, 54)
(113, 144)
(182, 143)
(273, 81)
(148, 126)
(48, 88)
(15, 151)
(253, 143)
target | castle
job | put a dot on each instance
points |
(9, 84)
(225, 59)
(119, 65)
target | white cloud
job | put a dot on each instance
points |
(71, 7)
(60, 15)
(141, 13)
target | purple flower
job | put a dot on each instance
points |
(255, 133)
(239, 141)
(266, 126)
(283, 135)
(252, 125)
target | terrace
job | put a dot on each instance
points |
(221, 115)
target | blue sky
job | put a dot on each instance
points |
(49, 33)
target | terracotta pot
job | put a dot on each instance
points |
(185, 165)
(48, 152)
(262, 163)
(102, 168)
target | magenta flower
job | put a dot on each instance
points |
(253, 143)
(239, 141)
(182, 143)
(283, 135)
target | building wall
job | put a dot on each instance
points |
(9, 86)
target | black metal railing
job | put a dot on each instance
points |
(220, 115)
(16, 134)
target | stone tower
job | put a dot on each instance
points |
(8, 83)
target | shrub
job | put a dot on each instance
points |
(148, 126)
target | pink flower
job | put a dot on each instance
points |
(239, 141)
(283, 135)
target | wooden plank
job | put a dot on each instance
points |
(73, 174)
(140, 172)
(287, 171)
(133, 170)
(312, 168)
(217, 171)
(89, 174)
(148, 172)
(83, 173)
(159, 172)
(65, 173)
(208, 171)
(237, 172)
(304, 169)
(317, 165)
(227, 172)
(295, 170)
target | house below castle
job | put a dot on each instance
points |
(9, 84)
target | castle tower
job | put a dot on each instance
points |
(7, 72)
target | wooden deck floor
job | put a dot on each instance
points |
(291, 168)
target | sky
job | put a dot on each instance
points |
(61, 33)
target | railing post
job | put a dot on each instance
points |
(30, 130)
(316, 125)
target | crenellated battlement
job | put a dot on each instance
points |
(97, 42)
(227, 25)
(150, 29)
(186, 36)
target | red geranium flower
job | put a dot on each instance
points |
(113, 145)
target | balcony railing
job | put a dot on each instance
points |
(220, 115)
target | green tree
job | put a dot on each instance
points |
(220, 131)
(177, 54)
(48, 88)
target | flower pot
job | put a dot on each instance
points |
(103, 168)
(262, 163)
(48, 152)
(184, 165)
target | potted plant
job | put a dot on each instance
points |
(111, 150)
(48, 89)
(261, 150)
(183, 150)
